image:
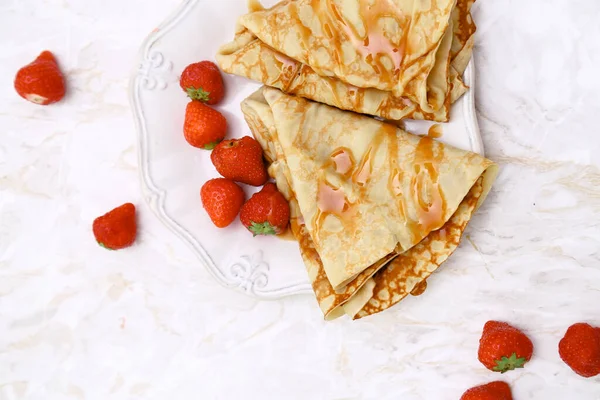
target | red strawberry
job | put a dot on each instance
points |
(497, 390)
(202, 81)
(240, 160)
(203, 126)
(41, 81)
(580, 349)
(116, 229)
(503, 347)
(267, 212)
(222, 200)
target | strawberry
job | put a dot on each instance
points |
(503, 347)
(267, 212)
(240, 160)
(497, 390)
(222, 200)
(580, 349)
(202, 81)
(203, 126)
(41, 81)
(116, 229)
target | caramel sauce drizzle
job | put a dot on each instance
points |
(395, 178)
(254, 6)
(431, 210)
(360, 174)
(330, 201)
(419, 288)
(374, 44)
(435, 131)
(288, 68)
(287, 235)
(343, 161)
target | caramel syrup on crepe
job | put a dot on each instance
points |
(395, 186)
(419, 288)
(294, 15)
(392, 103)
(374, 44)
(435, 131)
(288, 68)
(395, 178)
(343, 161)
(254, 5)
(287, 235)
(306, 244)
(303, 138)
(333, 201)
(364, 169)
(358, 96)
(430, 204)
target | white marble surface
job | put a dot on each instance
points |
(78, 322)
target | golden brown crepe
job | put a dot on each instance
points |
(375, 209)
(292, 57)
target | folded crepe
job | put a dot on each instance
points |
(400, 68)
(375, 209)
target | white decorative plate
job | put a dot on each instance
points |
(172, 171)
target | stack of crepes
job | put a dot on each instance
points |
(375, 209)
(393, 59)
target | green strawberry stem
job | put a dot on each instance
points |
(508, 364)
(198, 94)
(211, 145)
(102, 245)
(264, 228)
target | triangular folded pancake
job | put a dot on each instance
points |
(285, 63)
(374, 208)
(382, 44)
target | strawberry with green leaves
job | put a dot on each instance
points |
(503, 347)
(267, 212)
(202, 81)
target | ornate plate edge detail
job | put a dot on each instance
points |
(248, 275)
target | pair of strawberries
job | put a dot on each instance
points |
(237, 160)
(41, 82)
(503, 347)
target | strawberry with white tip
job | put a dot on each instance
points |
(41, 81)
